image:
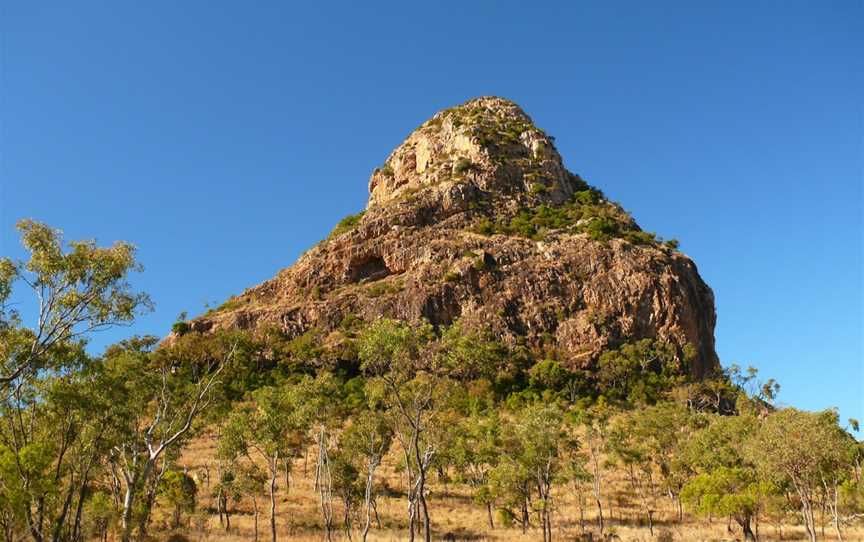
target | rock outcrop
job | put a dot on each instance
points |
(474, 217)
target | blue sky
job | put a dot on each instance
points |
(224, 138)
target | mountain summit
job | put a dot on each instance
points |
(474, 217)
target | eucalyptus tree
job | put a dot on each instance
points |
(164, 394)
(270, 427)
(53, 438)
(78, 291)
(539, 440)
(650, 441)
(593, 421)
(475, 453)
(363, 444)
(54, 412)
(320, 407)
(808, 451)
(728, 491)
(398, 358)
(723, 480)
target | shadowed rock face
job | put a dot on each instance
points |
(458, 226)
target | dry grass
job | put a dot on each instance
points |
(454, 515)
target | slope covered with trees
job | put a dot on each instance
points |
(412, 419)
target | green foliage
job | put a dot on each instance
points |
(346, 224)
(639, 372)
(538, 188)
(80, 290)
(306, 347)
(452, 276)
(585, 212)
(462, 165)
(801, 448)
(383, 287)
(548, 374)
(727, 491)
(468, 354)
(100, 513)
(181, 328)
(392, 345)
(179, 492)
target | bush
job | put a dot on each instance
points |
(179, 492)
(600, 229)
(538, 188)
(462, 165)
(181, 328)
(485, 227)
(377, 289)
(346, 224)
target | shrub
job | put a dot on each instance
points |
(346, 224)
(387, 170)
(179, 492)
(230, 304)
(600, 229)
(377, 289)
(462, 165)
(485, 227)
(305, 347)
(181, 328)
(538, 188)
(640, 237)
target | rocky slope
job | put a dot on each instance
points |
(474, 217)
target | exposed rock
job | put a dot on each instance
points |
(444, 237)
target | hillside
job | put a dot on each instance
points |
(474, 217)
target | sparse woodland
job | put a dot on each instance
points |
(414, 432)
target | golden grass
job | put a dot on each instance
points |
(454, 515)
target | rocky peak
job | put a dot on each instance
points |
(488, 142)
(474, 218)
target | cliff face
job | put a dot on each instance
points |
(474, 217)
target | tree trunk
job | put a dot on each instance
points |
(323, 484)
(809, 522)
(600, 515)
(489, 515)
(132, 483)
(273, 474)
(581, 501)
(744, 522)
(255, 519)
(367, 497)
(375, 510)
(427, 528)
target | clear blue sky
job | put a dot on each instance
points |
(224, 138)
